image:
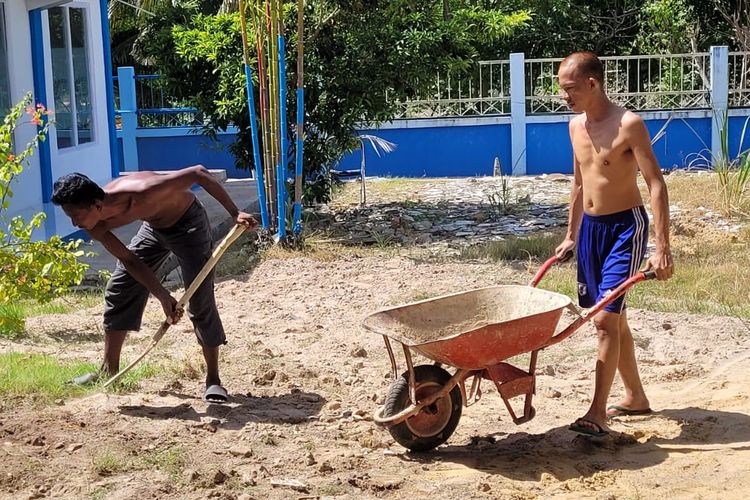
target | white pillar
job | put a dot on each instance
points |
(719, 98)
(128, 118)
(517, 114)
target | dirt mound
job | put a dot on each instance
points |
(305, 379)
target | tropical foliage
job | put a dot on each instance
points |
(33, 269)
(363, 56)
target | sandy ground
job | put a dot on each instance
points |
(305, 379)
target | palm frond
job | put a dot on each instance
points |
(378, 143)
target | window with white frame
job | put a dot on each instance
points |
(4, 76)
(71, 85)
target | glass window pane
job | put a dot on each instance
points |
(79, 47)
(4, 77)
(61, 77)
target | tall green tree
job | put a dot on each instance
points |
(361, 57)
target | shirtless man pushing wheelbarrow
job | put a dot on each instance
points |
(174, 221)
(609, 224)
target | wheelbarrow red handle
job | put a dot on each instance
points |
(616, 293)
(547, 264)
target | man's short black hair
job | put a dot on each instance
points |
(587, 65)
(76, 189)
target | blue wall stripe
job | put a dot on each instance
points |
(453, 151)
(437, 151)
(174, 153)
(40, 94)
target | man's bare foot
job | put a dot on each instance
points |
(590, 427)
(622, 410)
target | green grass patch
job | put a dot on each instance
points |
(541, 246)
(13, 316)
(12, 321)
(41, 378)
(171, 461)
(710, 276)
(712, 281)
(108, 462)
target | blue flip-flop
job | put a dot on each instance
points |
(576, 427)
(215, 394)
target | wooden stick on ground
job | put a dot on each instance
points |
(230, 238)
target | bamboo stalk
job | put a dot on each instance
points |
(259, 178)
(283, 132)
(297, 225)
(273, 101)
(268, 166)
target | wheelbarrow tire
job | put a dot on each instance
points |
(432, 426)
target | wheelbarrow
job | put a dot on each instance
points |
(474, 332)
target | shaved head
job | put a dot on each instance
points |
(584, 64)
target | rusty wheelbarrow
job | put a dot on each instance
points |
(473, 332)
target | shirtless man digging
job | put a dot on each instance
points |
(609, 224)
(174, 221)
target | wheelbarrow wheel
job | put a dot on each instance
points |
(434, 424)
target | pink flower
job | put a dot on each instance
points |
(30, 110)
(36, 120)
(11, 157)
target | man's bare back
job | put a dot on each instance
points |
(146, 196)
(607, 163)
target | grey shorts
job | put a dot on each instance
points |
(190, 240)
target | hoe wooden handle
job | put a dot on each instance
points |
(230, 238)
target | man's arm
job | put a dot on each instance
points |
(640, 144)
(140, 271)
(198, 174)
(575, 212)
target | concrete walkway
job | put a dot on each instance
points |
(243, 191)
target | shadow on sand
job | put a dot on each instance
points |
(293, 408)
(566, 455)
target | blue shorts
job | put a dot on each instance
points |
(610, 250)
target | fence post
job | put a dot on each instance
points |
(719, 98)
(517, 114)
(129, 117)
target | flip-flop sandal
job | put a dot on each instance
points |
(86, 379)
(215, 394)
(621, 411)
(581, 429)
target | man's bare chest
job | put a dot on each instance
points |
(601, 150)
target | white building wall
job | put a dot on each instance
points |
(28, 187)
(91, 159)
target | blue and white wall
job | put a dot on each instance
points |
(68, 73)
(454, 147)
(21, 81)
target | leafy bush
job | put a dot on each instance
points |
(38, 270)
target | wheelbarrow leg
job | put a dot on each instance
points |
(528, 410)
(394, 366)
(512, 382)
(412, 378)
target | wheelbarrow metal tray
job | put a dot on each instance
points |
(474, 329)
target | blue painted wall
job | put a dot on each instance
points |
(736, 139)
(174, 153)
(548, 149)
(683, 142)
(453, 151)
(437, 151)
